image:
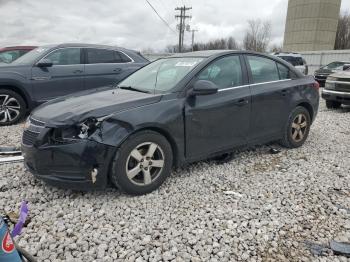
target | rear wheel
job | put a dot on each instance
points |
(332, 104)
(12, 107)
(297, 128)
(142, 163)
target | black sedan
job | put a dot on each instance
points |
(174, 111)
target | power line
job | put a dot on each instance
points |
(161, 18)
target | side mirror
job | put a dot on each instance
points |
(44, 63)
(346, 67)
(204, 87)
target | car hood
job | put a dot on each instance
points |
(342, 74)
(324, 71)
(70, 110)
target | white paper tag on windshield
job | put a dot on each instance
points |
(189, 64)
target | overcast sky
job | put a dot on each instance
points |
(132, 23)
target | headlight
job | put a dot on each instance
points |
(329, 85)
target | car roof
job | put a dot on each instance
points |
(86, 46)
(205, 53)
(9, 48)
(216, 53)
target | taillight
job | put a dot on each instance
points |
(316, 85)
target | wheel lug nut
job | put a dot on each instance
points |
(146, 168)
(150, 163)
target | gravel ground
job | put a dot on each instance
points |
(257, 207)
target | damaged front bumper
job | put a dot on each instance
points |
(80, 165)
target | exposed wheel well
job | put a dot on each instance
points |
(18, 91)
(309, 109)
(170, 140)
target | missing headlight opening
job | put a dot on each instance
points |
(88, 127)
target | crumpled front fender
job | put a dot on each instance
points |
(112, 132)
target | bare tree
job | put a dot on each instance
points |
(276, 48)
(342, 39)
(171, 49)
(217, 44)
(257, 36)
(232, 44)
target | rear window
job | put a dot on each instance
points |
(105, 56)
(123, 58)
(295, 61)
(263, 69)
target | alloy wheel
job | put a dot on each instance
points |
(299, 127)
(145, 163)
(9, 108)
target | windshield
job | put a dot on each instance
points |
(334, 65)
(161, 75)
(11, 55)
(30, 57)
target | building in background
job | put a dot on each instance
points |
(311, 25)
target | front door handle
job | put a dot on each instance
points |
(117, 70)
(78, 71)
(241, 102)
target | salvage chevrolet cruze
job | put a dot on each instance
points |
(171, 112)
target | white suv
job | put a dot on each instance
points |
(296, 60)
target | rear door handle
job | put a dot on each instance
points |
(78, 71)
(241, 102)
(117, 70)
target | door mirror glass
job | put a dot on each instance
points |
(44, 63)
(204, 87)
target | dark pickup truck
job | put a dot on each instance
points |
(322, 73)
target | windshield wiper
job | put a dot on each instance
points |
(133, 89)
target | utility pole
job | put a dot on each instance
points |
(181, 26)
(193, 31)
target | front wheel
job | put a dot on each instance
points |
(142, 163)
(297, 128)
(12, 107)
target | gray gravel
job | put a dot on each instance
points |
(257, 207)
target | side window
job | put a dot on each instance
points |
(100, 56)
(224, 72)
(123, 58)
(284, 71)
(263, 69)
(65, 56)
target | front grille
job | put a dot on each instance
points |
(342, 87)
(29, 137)
(343, 79)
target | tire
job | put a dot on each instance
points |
(135, 158)
(332, 104)
(12, 107)
(299, 120)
